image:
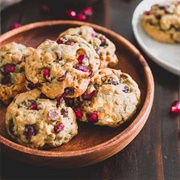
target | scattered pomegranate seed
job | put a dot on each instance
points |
(45, 8)
(6, 80)
(88, 96)
(147, 13)
(112, 81)
(71, 13)
(68, 91)
(64, 112)
(15, 25)
(80, 17)
(93, 117)
(175, 107)
(69, 43)
(33, 106)
(126, 89)
(32, 85)
(29, 132)
(78, 112)
(58, 128)
(82, 68)
(9, 68)
(87, 11)
(81, 57)
(46, 73)
(59, 41)
(53, 115)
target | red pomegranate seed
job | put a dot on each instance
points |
(93, 117)
(69, 43)
(87, 11)
(46, 73)
(6, 80)
(80, 17)
(9, 68)
(81, 57)
(126, 89)
(147, 13)
(45, 8)
(175, 107)
(58, 128)
(88, 96)
(53, 115)
(33, 106)
(78, 112)
(29, 132)
(59, 41)
(71, 13)
(15, 25)
(32, 85)
(82, 68)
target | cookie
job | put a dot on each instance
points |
(103, 46)
(12, 78)
(37, 122)
(62, 69)
(111, 99)
(162, 22)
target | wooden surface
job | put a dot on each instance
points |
(154, 153)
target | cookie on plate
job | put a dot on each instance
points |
(12, 78)
(37, 122)
(103, 46)
(162, 22)
(62, 69)
(111, 99)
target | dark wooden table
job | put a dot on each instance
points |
(155, 152)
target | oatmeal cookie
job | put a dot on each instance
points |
(12, 78)
(62, 68)
(38, 122)
(162, 22)
(103, 46)
(111, 99)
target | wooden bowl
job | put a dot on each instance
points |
(93, 143)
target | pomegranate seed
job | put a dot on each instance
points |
(53, 115)
(71, 13)
(93, 117)
(45, 8)
(82, 68)
(58, 128)
(15, 25)
(59, 41)
(9, 68)
(69, 91)
(29, 132)
(78, 112)
(126, 89)
(112, 81)
(33, 106)
(147, 13)
(69, 43)
(87, 11)
(81, 57)
(32, 85)
(80, 17)
(6, 80)
(103, 41)
(175, 107)
(88, 96)
(93, 34)
(64, 112)
(46, 73)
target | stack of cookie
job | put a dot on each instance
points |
(66, 80)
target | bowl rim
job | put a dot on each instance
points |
(139, 119)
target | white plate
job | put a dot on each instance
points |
(166, 55)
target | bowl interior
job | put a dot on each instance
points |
(130, 61)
